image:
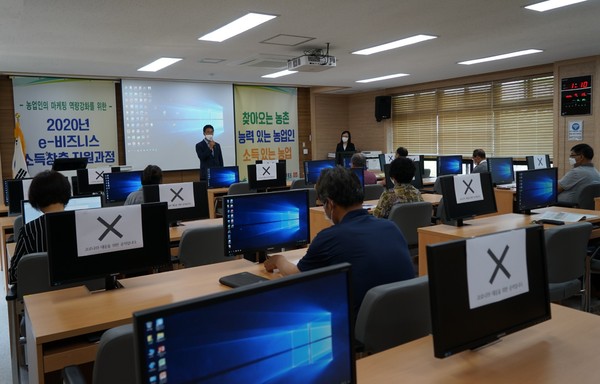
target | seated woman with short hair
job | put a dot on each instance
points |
(49, 192)
(402, 171)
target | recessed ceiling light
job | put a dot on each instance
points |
(394, 44)
(501, 57)
(382, 78)
(159, 64)
(279, 74)
(236, 27)
(552, 4)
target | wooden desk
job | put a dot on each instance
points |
(561, 350)
(6, 226)
(212, 194)
(57, 321)
(597, 203)
(484, 226)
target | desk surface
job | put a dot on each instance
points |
(561, 350)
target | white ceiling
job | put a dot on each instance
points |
(112, 38)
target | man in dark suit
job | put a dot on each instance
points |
(209, 151)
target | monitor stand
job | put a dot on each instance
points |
(256, 257)
(177, 223)
(111, 283)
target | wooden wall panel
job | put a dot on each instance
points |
(330, 119)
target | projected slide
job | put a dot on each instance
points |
(163, 122)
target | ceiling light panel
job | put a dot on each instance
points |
(236, 27)
(395, 44)
(501, 57)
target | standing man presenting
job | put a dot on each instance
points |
(209, 151)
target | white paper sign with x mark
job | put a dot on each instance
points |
(496, 267)
(96, 175)
(108, 229)
(266, 171)
(177, 195)
(467, 188)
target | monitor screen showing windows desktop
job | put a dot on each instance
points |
(253, 335)
(449, 165)
(313, 168)
(222, 177)
(186, 201)
(117, 186)
(468, 195)
(360, 173)
(75, 203)
(484, 288)
(501, 169)
(262, 221)
(536, 188)
(344, 158)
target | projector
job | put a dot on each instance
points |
(311, 63)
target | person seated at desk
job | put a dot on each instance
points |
(49, 192)
(376, 248)
(583, 174)
(358, 160)
(479, 161)
(345, 144)
(152, 175)
(402, 171)
(401, 152)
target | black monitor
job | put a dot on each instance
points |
(536, 188)
(538, 161)
(186, 201)
(388, 179)
(75, 203)
(360, 173)
(312, 170)
(262, 221)
(91, 180)
(69, 163)
(117, 186)
(222, 177)
(468, 200)
(470, 314)
(5, 182)
(16, 191)
(449, 165)
(421, 160)
(385, 158)
(240, 336)
(256, 183)
(501, 169)
(417, 181)
(344, 158)
(71, 262)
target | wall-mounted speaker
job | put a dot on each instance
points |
(383, 107)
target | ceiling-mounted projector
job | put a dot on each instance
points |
(311, 63)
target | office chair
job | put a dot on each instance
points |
(409, 217)
(566, 252)
(234, 189)
(17, 226)
(115, 360)
(393, 314)
(586, 198)
(202, 245)
(373, 191)
(298, 184)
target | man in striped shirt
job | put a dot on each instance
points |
(49, 192)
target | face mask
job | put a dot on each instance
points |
(326, 215)
(209, 137)
(572, 161)
(344, 139)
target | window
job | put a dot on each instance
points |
(506, 118)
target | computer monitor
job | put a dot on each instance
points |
(312, 170)
(449, 165)
(5, 183)
(241, 336)
(117, 186)
(264, 221)
(501, 169)
(104, 242)
(360, 173)
(417, 181)
(538, 161)
(16, 191)
(69, 163)
(186, 201)
(260, 176)
(467, 195)
(91, 180)
(75, 203)
(420, 159)
(222, 177)
(344, 158)
(484, 288)
(386, 158)
(536, 188)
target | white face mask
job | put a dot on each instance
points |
(209, 137)
(326, 215)
(572, 161)
(344, 139)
